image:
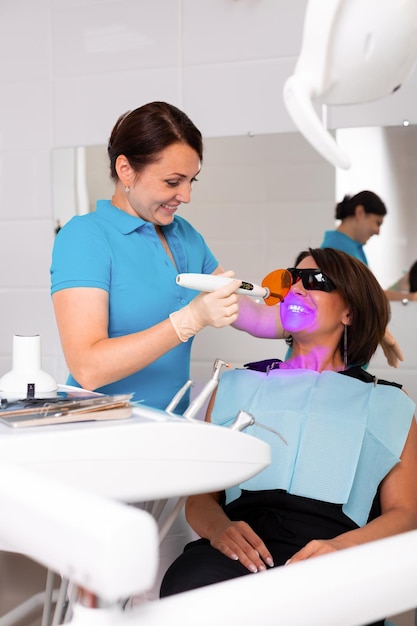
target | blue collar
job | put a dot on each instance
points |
(122, 221)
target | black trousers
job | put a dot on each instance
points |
(284, 522)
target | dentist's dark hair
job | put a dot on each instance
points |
(141, 135)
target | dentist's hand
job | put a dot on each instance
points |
(218, 309)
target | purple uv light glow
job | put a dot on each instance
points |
(296, 315)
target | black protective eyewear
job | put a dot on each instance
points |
(313, 280)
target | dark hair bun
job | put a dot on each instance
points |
(370, 201)
(343, 208)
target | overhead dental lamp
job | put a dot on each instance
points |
(353, 51)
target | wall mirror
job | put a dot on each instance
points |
(384, 160)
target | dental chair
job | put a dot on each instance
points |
(109, 561)
(111, 552)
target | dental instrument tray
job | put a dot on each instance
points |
(63, 408)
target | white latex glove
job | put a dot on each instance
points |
(218, 309)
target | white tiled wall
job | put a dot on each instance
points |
(68, 68)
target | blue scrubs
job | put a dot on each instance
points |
(122, 254)
(340, 241)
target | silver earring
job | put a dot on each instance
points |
(127, 189)
(345, 355)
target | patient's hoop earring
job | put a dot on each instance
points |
(345, 356)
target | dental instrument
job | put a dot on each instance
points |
(274, 288)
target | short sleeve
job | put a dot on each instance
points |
(81, 256)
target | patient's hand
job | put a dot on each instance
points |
(239, 542)
(316, 547)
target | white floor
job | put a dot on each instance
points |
(20, 579)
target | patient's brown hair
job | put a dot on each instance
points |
(368, 305)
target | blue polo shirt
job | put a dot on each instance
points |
(340, 241)
(122, 254)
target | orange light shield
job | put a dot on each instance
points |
(278, 283)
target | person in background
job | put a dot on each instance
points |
(361, 216)
(346, 473)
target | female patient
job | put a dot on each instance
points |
(348, 474)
